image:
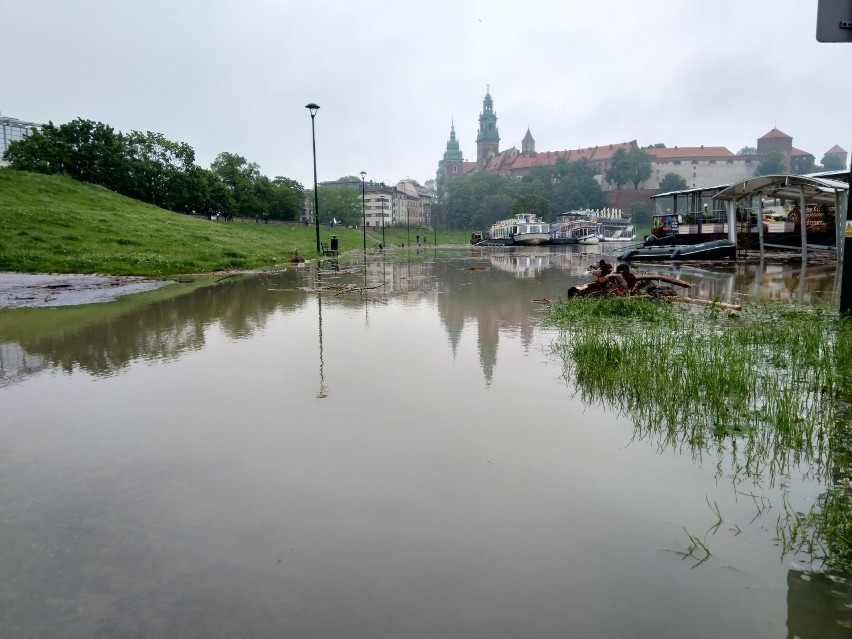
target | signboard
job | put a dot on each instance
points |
(834, 21)
(848, 229)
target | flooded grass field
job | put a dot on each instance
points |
(409, 446)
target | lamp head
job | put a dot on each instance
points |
(363, 173)
(313, 108)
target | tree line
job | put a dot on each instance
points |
(479, 200)
(151, 168)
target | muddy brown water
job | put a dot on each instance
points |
(397, 457)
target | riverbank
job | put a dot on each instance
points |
(53, 224)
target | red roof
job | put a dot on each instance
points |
(835, 149)
(506, 161)
(795, 151)
(775, 133)
(689, 153)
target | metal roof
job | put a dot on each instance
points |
(814, 189)
(700, 189)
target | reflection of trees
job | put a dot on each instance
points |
(763, 393)
(159, 330)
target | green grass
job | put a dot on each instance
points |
(53, 224)
(769, 388)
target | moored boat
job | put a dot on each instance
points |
(575, 227)
(525, 229)
(618, 231)
(715, 250)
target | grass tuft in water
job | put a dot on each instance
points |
(770, 387)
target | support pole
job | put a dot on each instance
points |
(732, 221)
(845, 255)
(760, 224)
(803, 225)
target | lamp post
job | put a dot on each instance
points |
(313, 108)
(363, 212)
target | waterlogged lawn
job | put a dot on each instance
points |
(769, 386)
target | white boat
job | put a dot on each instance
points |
(587, 234)
(618, 231)
(524, 229)
(575, 228)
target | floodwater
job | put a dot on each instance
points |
(399, 456)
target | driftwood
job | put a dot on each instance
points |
(690, 300)
(664, 278)
(695, 300)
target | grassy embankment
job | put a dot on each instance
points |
(53, 224)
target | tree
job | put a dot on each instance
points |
(747, 150)
(629, 166)
(479, 200)
(340, 203)
(531, 203)
(159, 169)
(239, 176)
(640, 214)
(772, 164)
(832, 162)
(671, 182)
(639, 166)
(619, 169)
(566, 185)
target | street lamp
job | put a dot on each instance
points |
(363, 212)
(313, 108)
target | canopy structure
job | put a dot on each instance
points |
(816, 189)
(802, 188)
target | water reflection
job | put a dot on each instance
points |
(181, 477)
(102, 341)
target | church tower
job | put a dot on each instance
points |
(487, 138)
(451, 165)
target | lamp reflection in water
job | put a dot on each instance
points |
(322, 393)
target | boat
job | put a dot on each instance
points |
(576, 227)
(618, 231)
(715, 250)
(586, 234)
(525, 229)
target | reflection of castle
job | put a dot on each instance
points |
(700, 166)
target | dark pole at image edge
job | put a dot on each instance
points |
(313, 108)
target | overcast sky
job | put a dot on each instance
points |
(390, 76)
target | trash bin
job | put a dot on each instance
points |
(334, 244)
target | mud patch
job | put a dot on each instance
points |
(23, 290)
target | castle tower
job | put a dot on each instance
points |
(773, 141)
(839, 154)
(487, 138)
